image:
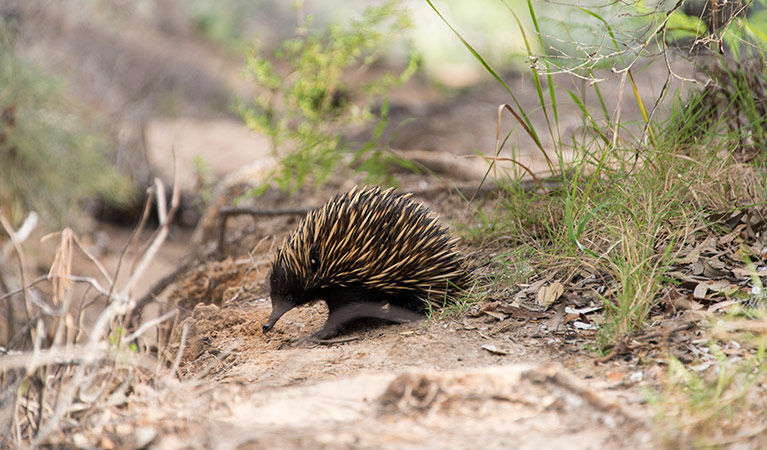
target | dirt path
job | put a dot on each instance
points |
(463, 381)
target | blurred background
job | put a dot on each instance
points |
(100, 96)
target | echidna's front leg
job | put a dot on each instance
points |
(340, 315)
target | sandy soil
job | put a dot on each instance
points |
(461, 381)
(528, 378)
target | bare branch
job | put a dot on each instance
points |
(146, 325)
(180, 353)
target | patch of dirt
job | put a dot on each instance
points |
(517, 378)
(449, 383)
(203, 148)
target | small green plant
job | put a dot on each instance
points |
(204, 177)
(455, 306)
(714, 407)
(49, 160)
(317, 85)
(218, 21)
(116, 338)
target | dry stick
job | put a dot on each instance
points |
(165, 219)
(665, 333)
(120, 305)
(72, 354)
(225, 212)
(497, 148)
(146, 325)
(659, 29)
(665, 87)
(87, 253)
(42, 375)
(19, 255)
(74, 278)
(24, 287)
(26, 228)
(180, 353)
(158, 239)
(134, 234)
(95, 261)
(336, 340)
(646, 127)
(622, 346)
(618, 110)
(668, 62)
(139, 268)
(252, 265)
(638, 51)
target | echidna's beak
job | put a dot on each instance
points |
(278, 309)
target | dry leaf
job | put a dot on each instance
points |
(584, 326)
(721, 286)
(702, 366)
(489, 306)
(616, 376)
(530, 288)
(700, 290)
(521, 313)
(493, 349)
(714, 269)
(547, 295)
(713, 285)
(747, 273)
(706, 245)
(697, 268)
(570, 317)
(682, 302)
(729, 237)
(582, 310)
(497, 315)
(723, 305)
(576, 300)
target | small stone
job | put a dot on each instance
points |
(143, 436)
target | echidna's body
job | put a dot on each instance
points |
(367, 253)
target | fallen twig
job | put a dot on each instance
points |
(180, 353)
(336, 340)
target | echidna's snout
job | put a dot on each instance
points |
(279, 307)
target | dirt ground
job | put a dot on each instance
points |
(505, 373)
(476, 379)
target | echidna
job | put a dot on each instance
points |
(366, 253)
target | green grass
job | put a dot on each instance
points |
(622, 205)
(713, 408)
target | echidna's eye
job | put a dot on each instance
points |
(289, 299)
